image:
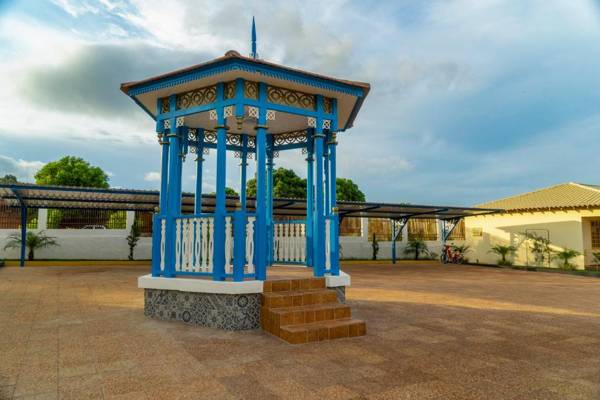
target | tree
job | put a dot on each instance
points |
(416, 247)
(347, 190)
(33, 241)
(375, 246)
(503, 252)
(565, 256)
(8, 179)
(288, 185)
(540, 247)
(228, 192)
(72, 171)
(133, 238)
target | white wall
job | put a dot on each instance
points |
(83, 244)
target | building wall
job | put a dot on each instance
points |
(566, 229)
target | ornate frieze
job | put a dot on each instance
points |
(229, 90)
(270, 115)
(210, 137)
(253, 112)
(326, 124)
(179, 122)
(234, 139)
(251, 90)
(228, 111)
(289, 138)
(196, 97)
(167, 123)
(311, 122)
(291, 98)
(212, 115)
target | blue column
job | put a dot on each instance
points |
(319, 218)
(334, 226)
(174, 194)
(260, 245)
(23, 232)
(393, 241)
(269, 200)
(199, 167)
(309, 197)
(244, 176)
(326, 172)
(164, 175)
(220, 209)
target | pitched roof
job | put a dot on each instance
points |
(564, 195)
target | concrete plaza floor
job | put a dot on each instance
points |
(433, 332)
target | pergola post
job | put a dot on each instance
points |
(23, 232)
(261, 185)
(199, 168)
(219, 221)
(309, 229)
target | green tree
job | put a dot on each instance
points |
(72, 171)
(33, 241)
(503, 252)
(565, 256)
(288, 185)
(347, 190)
(228, 192)
(416, 247)
(8, 179)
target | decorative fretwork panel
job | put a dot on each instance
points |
(327, 105)
(290, 138)
(164, 105)
(251, 90)
(229, 90)
(197, 97)
(291, 98)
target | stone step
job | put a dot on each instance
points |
(298, 298)
(273, 318)
(322, 330)
(286, 285)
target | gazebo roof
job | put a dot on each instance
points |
(349, 94)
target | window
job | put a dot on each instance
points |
(86, 219)
(477, 232)
(350, 226)
(423, 229)
(10, 217)
(459, 231)
(381, 228)
(595, 234)
(144, 220)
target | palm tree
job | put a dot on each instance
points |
(503, 251)
(33, 241)
(416, 247)
(566, 255)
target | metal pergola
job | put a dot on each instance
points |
(26, 196)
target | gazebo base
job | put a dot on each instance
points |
(215, 310)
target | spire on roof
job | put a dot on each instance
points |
(253, 54)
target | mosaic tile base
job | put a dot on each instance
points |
(223, 311)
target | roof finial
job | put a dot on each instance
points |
(253, 54)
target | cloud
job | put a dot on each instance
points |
(152, 176)
(24, 170)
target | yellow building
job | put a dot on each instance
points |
(566, 215)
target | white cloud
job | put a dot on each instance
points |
(24, 170)
(152, 176)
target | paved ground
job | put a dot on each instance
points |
(434, 332)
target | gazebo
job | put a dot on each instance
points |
(254, 110)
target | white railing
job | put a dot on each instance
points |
(327, 244)
(194, 244)
(250, 268)
(290, 242)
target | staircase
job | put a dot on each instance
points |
(304, 310)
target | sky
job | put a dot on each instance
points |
(471, 100)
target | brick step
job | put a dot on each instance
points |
(322, 330)
(298, 298)
(286, 285)
(273, 318)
